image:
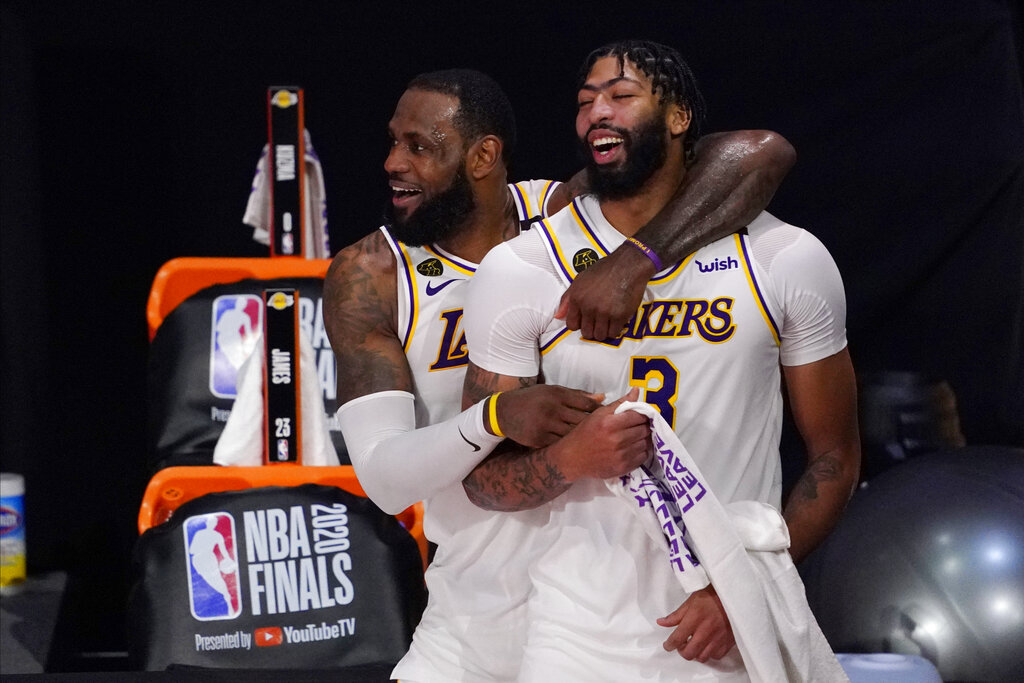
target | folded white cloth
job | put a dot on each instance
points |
(741, 548)
(315, 237)
(241, 442)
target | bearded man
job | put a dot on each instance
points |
(704, 349)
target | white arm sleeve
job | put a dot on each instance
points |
(397, 464)
(509, 303)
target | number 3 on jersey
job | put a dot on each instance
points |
(658, 379)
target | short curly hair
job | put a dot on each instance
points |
(484, 108)
(671, 77)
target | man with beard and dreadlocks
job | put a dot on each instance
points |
(704, 350)
(393, 310)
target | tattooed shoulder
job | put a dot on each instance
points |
(360, 312)
(360, 286)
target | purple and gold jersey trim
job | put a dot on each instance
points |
(667, 275)
(545, 195)
(409, 280)
(556, 249)
(564, 263)
(457, 264)
(587, 230)
(526, 211)
(550, 344)
(748, 269)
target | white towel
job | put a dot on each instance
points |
(742, 549)
(315, 237)
(241, 442)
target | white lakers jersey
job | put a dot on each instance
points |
(430, 304)
(704, 348)
(473, 628)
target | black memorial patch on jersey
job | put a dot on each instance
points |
(584, 258)
(432, 267)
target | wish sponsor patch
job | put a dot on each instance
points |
(236, 326)
(211, 553)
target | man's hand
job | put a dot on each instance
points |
(602, 299)
(515, 477)
(702, 628)
(604, 444)
(538, 415)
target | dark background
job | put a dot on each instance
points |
(131, 133)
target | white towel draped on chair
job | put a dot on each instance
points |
(241, 442)
(315, 237)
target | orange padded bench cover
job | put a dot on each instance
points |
(173, 486)
(180, 278)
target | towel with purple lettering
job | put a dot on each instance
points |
(741, 550)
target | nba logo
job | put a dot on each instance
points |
(213, 587)
(237, 323)
(282, 449)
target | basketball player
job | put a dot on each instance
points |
(393, 306)
(705, 349)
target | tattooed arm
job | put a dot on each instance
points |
(512, 477)
(823, 397)
(360, 315)
(601, 444)
(824, 400)
(732, 180)
(397, 464)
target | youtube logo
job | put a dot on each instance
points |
(268, 636)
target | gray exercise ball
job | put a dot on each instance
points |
(929, 560)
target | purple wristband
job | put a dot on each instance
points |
(648, 252)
